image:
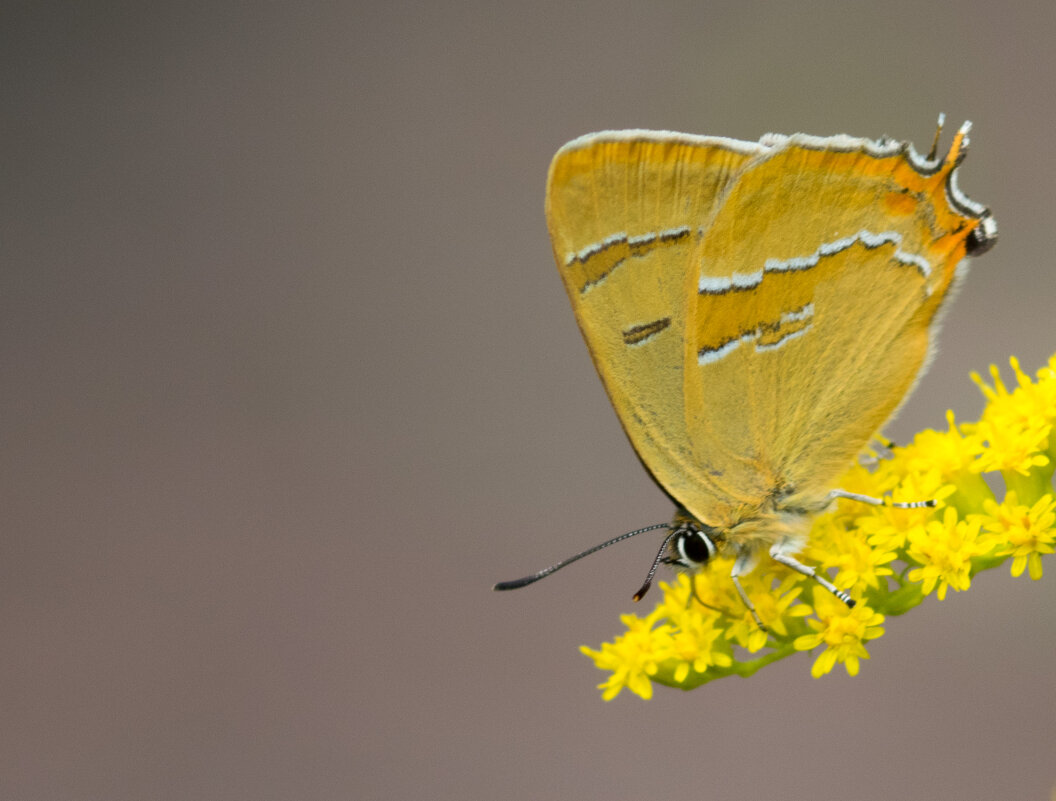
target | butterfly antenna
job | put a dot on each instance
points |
(524, 582)
(935, 142)
(656, 563)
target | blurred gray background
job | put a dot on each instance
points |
(290, 379)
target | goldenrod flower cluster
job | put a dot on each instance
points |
(888, 559)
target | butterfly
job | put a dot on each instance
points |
(756, 312)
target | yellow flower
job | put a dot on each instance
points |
(694, 645)
(944, 549)
(774, 605)
(835, 543)
(707, 592)
(1015, 425)
(842, 631)
(950, 452)
(1029, 402)
(701, 629)
(1013, 446)
(888, 528)
(633, 657)
(951, 456)
(1025, 532)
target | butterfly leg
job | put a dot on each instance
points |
(788, 560)
(693, 589)
(742, 565)
(854, 496)
(873, 459)
(694, 597)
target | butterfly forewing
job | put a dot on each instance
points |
(626, 212)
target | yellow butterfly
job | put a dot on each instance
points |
(756, 311)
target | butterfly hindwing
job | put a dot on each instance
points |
(820, 278)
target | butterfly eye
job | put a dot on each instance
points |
(694, 547)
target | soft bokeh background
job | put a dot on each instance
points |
(289, 379)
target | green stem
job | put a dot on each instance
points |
(693, 680)
(900, 601)
(972, 491)
(1029, 488)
